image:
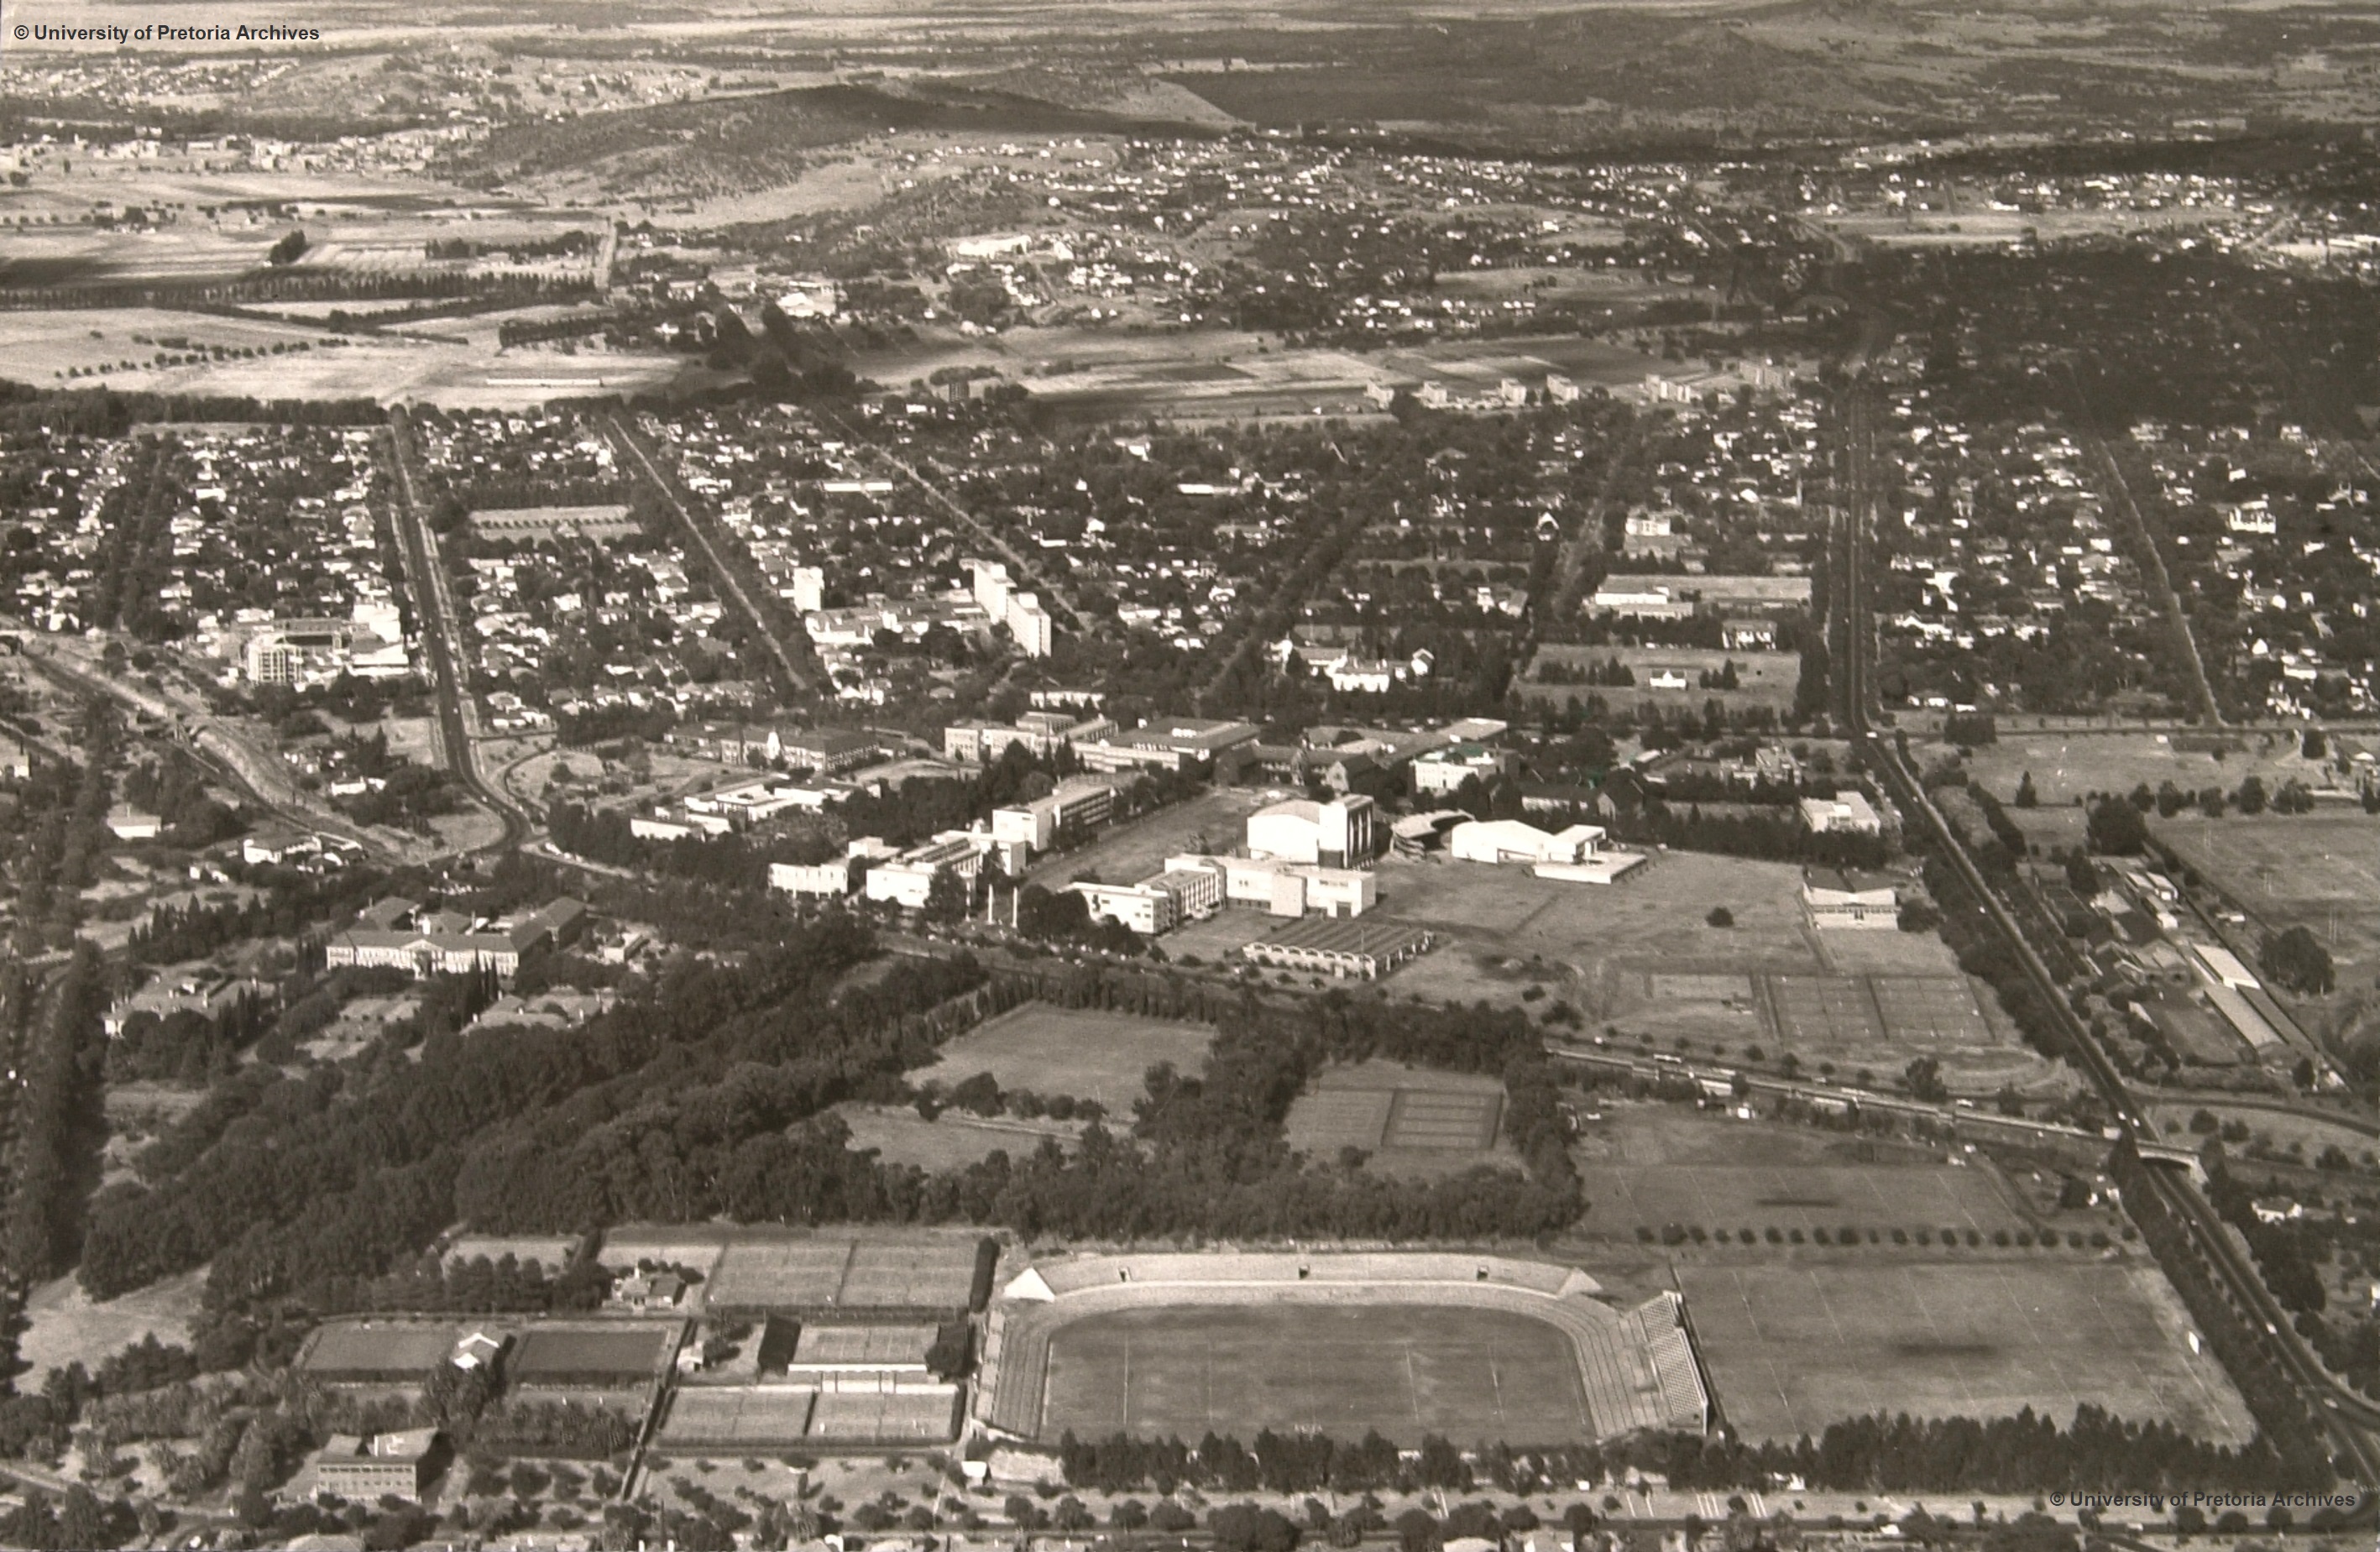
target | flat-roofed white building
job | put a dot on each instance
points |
(1512, 841)
(1839, 901)
(1284, 889)
(1847, 813)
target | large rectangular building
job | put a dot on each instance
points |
(1341, 833)
(366, 1468)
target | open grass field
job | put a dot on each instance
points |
(2068, 765)
(1410, 1122)
(692, 1248)
(1820, 1196)
(1652, 1165)
(2320, 871)
(1655, 914)
(373, 1348)
(1792, 1348)
(621, 1355)
(1762, 678)
(879, 1271)
(702, 1417)
(62, 1326)
(1887, 954)
(1089, 1055)
(860, 1417)
(1406, 1370)
(42, 346)
(953, 1140)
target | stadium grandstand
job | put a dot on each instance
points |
(1637, 1367)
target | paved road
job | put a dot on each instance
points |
(2346, 1416)
(442, 640)
(801, 678)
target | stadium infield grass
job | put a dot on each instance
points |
(1406, 1370)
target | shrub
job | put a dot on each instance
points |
(1720, 917)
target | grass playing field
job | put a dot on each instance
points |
(1790, 1349)
(1786, 1197)
(2320, 871)
(1061, 1051)
(1411, 1121)
(1406, 1370)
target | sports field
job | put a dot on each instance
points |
(1790, 1349)
(1408, 1119)
(2320, 871)
(1406, 1370)
(1732, 1198)
(919, 1271)
(1081, 1052)
(621, 1356)
(377, 1348)
(1658, 912)
(701, 1416)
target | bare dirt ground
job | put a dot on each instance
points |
(1087, 1054)
(63, 1326)
(953, 1140)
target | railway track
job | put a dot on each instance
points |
(2346, 1418)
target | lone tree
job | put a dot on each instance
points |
(2026, 796)
(2298, 961)
(290, 249)
(2117, 828)
(1720, 917)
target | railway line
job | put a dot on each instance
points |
(2349, 1419)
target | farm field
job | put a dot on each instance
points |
(1216, 819)
(1409, 1121)
(1087, 1054)
(42, 346)
(1657, 912)
(1406, 1370)
(1792, 1348)
(953, 1140)
(2320, 871)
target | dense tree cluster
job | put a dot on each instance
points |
(58, 1122)
(2026, 1453)
(303, 1181)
